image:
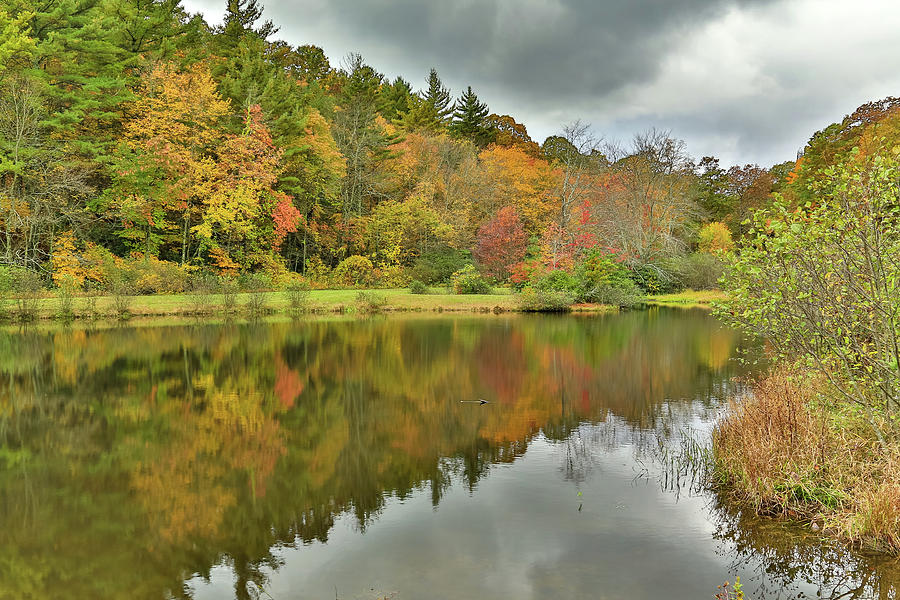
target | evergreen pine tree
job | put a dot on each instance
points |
(155, 28)
(394, 99)
(437, 97)
(240, 17)
(470, 119)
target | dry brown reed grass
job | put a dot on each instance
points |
(784, 452)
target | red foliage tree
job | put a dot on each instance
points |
(501, 243)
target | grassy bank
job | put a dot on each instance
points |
(79, 306)
(689, 298)
(783, 453)
(166, 305)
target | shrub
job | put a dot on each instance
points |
(253, 282)
(370, 302)
(390, 276)
(204, 282)
(202, 286)
(26, 288)
(153, 276)
(624, 295)
(654, 278)
(257, 304)
(417, 287)
(558, 281)
(356, 271)
(65, 308)
(138, 274)
(229, 297)
(122, 300)
(438, 266)
(700, 271)
(317, 273)
(7, 278)
(298, 297)
(540, 300)
(598, 277)
(525, 272)
(91, 311)
(469, 281)
(599, 268)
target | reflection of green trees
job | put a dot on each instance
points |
(132, 458)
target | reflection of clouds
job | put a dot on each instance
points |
(521, 535)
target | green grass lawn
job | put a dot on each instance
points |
(162, 305)
(688, 298)
(323, 301)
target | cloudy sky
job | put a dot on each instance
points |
(744, 80)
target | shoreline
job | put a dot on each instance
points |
(258, 305)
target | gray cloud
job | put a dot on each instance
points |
(748, 80)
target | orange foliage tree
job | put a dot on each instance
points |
(515, 178)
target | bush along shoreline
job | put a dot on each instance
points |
(112, 287)
(819, 280)
(783, 453)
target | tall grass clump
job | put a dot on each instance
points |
(26, 288)
(370, 303)
(65, 297)
(229, 290)
(298, 298)
(257, 304)
(783, 452)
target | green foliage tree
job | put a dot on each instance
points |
(395, 99)
(821, 283)
(84, 75)
(713, 195)
(363, 140)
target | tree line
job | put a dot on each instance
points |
(133, 132)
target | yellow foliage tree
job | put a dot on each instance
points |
(714, 238)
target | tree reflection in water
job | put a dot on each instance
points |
(133, 459)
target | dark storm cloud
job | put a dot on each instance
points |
(748, 80)
(546, 48)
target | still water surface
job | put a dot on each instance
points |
(335, 458)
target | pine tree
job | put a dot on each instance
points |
(394, 99)
(154, 28)
(438, 98)
(240, 17)
(85, 76)
(470, 119)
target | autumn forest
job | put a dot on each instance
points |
(141, 147)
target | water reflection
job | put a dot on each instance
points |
(133, 461)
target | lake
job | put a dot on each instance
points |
(352, 458)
